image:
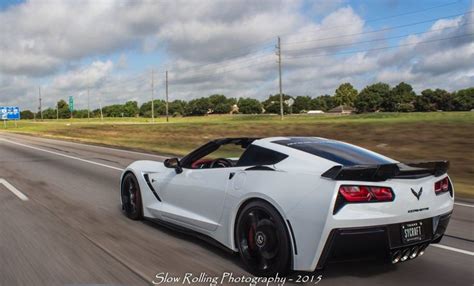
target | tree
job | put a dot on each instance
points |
(221, 104)
(401, 94)
(272, 104)
(371, 97)
(438, 99)
(49, 113)
(447, 100)
(323, 102)
(423, 104)
(159, 108)
(177, 107)
(464, 99)
(80, 113)
(301, 104)
(249, 106)
(406, 107)
(130, 109)
(26, 114)
(318, 103)
(63, 109)
(345, 94)
(199, 106)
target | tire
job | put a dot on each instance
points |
(131, 197)
(262, 239)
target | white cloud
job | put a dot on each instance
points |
(83, 78)
(213, 46)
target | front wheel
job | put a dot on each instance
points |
(262, 240)
(131, 197)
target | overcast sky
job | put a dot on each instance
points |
(227, 47)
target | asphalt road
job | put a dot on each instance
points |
(69, 229)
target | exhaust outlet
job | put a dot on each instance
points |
(396, 256)
(414, 252)
(405, 254)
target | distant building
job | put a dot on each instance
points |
(315, 112)
(342, 109)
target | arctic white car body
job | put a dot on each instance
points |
(299, 187)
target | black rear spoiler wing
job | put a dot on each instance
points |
(378, 173)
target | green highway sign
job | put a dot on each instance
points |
(71, 103)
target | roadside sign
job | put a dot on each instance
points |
(71, 103)
(9, 112)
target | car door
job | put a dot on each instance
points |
(194, 197)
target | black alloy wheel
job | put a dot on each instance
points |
(262, 240)
(131, 197)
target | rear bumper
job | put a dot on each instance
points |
(382, 241)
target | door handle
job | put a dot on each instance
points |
(231, 175)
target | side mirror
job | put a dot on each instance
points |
(174, 164)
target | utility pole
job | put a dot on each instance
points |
(152, 96)
(279, 73)
(57, 111)
(39, 107)
(100, 107)
(167, 117)
(88, 105)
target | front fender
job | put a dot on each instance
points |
(138, 168)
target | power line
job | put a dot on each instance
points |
(213, 66)
(378, 30)
(336, 37)
(261, 62)
(218, 73)
(208, 77)
(134, 92)
(330, 28)
(411, 12)
(141, 77)
(370, 41)
(257, 54)
(383, 18)
(271, 39)
(381, 48)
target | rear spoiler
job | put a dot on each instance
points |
(378, 173)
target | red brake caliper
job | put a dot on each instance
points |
(251, 237)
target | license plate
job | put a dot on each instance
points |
(412, 232)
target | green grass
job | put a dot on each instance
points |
(403, 136)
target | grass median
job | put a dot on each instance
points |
(405, 137)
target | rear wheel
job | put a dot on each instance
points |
(131, 197)
(262, 240)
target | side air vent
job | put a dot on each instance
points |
(147, 179)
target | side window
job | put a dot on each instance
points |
(258, 156)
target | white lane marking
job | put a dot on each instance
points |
(14, 190)
(63, 155)
(453, 249)
(464, 205)
(100, 147)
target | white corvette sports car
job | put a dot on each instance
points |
(295, 203)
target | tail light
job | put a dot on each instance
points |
(441, 186)
(358, 194)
